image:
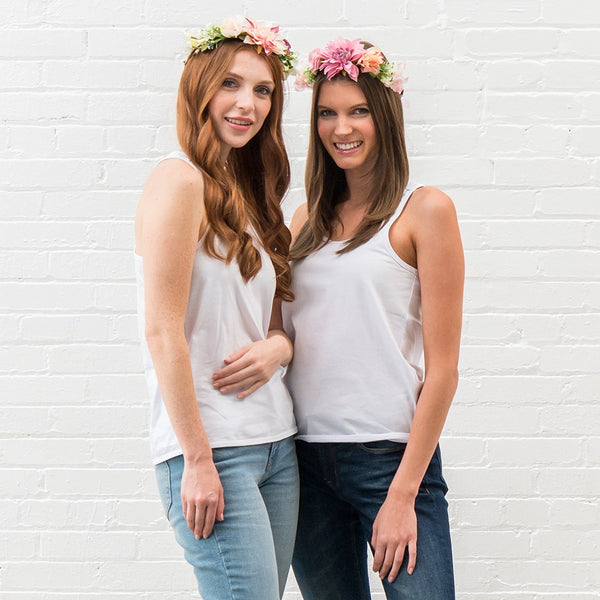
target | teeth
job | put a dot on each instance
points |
(348, 146)
(238, 121)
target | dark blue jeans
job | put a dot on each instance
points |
(342, 487)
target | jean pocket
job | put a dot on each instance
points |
(163, 479)
(382, 447)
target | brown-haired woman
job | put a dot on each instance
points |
(378, 279)
(211, 264)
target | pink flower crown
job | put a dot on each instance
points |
(265, 37)
(351, 58)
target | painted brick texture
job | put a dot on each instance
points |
(502, 112)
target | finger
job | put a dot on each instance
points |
(221, 507)
(199, 521)
(250, 390)
(397, 563)
(245, 383)
(412, 556)
(209, 519)
(378, 557)
(237, 354)
(232, 368)
(190, 516)
(239, 381)
(388, 561)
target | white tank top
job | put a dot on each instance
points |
(223, 314)
(358, 345)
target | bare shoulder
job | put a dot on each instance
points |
(173, 199)
(430, 202)
(174, 176)
(300, 217)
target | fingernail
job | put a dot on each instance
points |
(197, 536)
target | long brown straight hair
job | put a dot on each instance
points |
(325, 182)
(250, 188)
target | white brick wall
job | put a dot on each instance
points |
(503, 113)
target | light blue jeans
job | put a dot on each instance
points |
(248, 555)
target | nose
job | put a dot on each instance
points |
(342, 126)
(245, 98)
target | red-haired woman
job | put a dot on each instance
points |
(211, 264)
(377, 278)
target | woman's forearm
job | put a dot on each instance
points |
(171, 359)
(284, 344)
(430, 416)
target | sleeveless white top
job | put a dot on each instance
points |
(223, 314)
(358, 345)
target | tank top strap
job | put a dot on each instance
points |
(181, 155)
(411, 186)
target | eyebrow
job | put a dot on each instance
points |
(240, 76)
(319, 106)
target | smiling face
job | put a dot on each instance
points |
(240, 106)
(345, 126)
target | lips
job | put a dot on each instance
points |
(239, 121)
(345, 146)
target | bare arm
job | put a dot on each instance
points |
(167, 226)
(438, 248)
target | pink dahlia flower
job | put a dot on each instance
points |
(339, 56)
(314, 60)
(267, 38)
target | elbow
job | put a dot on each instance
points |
(160, 337)
(443, 378)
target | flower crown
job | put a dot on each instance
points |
(266, 38)
(351, 58)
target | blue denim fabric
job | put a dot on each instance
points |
(247, 557)
(342, 487)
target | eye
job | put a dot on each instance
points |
(362, 110)
(264, 90)
(229, 83)
(325, 112)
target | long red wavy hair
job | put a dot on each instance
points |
(249, 190)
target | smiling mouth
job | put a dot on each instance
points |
(243, 122)
(347, 145)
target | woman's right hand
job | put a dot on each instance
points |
(201, 496)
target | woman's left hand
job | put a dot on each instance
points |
(394, 532)
(251, 366)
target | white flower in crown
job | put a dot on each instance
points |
(232, 27)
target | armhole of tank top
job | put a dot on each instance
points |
(406, 196)
(181, 155)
